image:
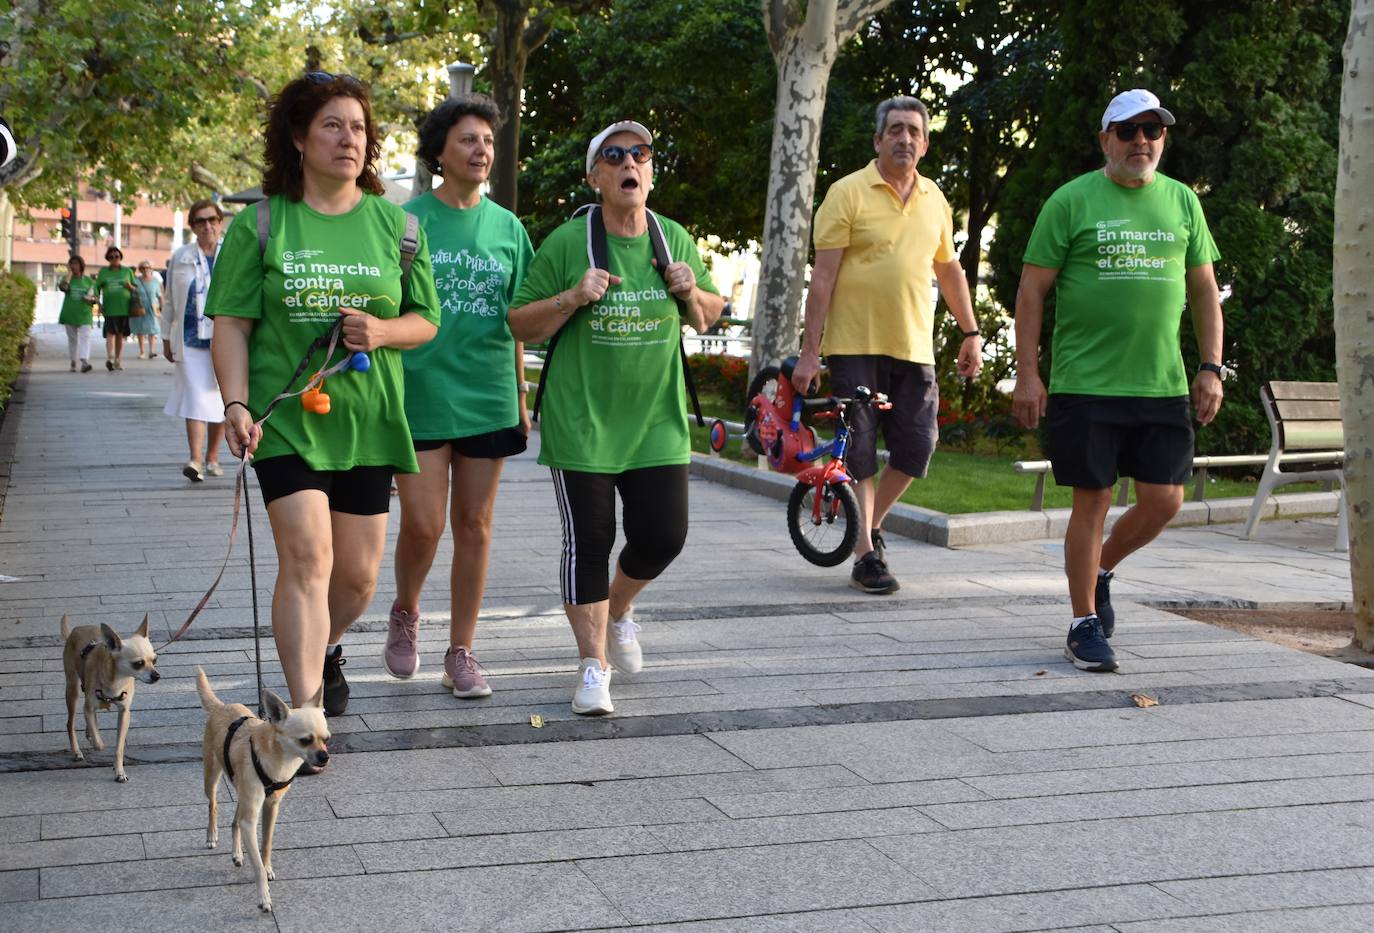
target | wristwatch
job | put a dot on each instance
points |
(526, 387)
(1221, 371)
(971, 333)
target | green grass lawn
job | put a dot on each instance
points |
(981, 481)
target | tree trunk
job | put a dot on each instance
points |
(509, 54)
(1353, 297)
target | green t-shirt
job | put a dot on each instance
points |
(114, 297)
(614, 398)
(315, 264)
(76, 310)
(1122, 255)
(462, 382)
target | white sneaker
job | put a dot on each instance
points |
(622, 646)
(593, 698)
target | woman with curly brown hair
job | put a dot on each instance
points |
(332, 248)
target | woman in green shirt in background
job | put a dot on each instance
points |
(75, 315)
(115, 285)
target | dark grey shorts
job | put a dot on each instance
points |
(1096, 438)
(909, 427)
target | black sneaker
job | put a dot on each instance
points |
(879, 545)
(871, 575)
(1088, 649)
(335, 687)
(1105, 613)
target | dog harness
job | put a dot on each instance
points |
(100, 694)
(269, 785)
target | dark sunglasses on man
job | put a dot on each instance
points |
(211, 219)
(614, 155)
(1126, 131)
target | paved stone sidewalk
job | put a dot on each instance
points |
(794, 756)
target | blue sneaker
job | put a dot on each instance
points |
(1087, 648)
(1103, 599)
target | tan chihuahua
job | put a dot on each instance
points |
(107, 668)
(261, 758)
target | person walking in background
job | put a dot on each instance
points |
(186, 333)
(115, 289)
(1124, 247)
(881, 235)
(614, 420)
(465, 397)
(79, 294)
(144, 327)
(325, 477)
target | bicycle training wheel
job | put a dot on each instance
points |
(766, 381)
(830, 541)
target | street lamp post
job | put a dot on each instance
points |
(459, 84)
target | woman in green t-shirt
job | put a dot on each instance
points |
(331, 255)
(463, 389)
(614, 418)
(115, 285)
(75, 315)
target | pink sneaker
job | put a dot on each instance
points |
(462, 675)
(400, 656)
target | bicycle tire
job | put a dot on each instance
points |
(760, 383)
(811, 538)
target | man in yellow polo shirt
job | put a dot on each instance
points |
(882, 235)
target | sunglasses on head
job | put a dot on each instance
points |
(325, 77)
(614, 155)
(1126, 131)
(197, 221)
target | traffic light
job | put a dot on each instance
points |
(69, 226)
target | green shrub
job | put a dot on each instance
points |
(16, 317)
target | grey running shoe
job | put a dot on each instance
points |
(1088, 649)
(870, 575)
(593, 695)
(463, 675)
(400, 656)
(622, 646)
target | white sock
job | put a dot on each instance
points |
(1077, 619)
(333, 649)
(1102, 573)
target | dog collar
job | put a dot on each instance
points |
(89, 647)
(100, 695)
(269, 785)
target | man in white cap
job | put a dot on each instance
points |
(881, 235)
(1124, 248)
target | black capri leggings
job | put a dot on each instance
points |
(655, 509)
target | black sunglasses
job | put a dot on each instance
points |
(197, 221)
(325, 77)
(614, 155)
(1126, 131)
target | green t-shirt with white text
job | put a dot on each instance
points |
(1123, 255)
(614, 397)
(314, 265)
(462, 382)
(114, 297)
(76, 310)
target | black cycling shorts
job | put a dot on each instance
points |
(493, 445)
(363, 490)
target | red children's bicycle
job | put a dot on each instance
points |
(822, 510)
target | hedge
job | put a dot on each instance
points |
(17, 296)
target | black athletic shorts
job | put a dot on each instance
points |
(494, 445)
(363, 490)
(909, 427)
(1096, 438)
(115, 326)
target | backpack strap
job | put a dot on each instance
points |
(664, 258)
(410, 244)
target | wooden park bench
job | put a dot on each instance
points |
(1305, 426)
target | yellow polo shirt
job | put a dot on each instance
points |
(883, 294)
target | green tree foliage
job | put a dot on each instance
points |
(16, 317)
(703, 86)
(1255, 85)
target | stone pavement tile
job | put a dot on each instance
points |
(1111, 904)
(506, 849)
(1067, 681)
(840, 799)
(19, 829)
(94, 788)
(138, 737)
(1272, 891)
(420, 769)
(1073, 807)
(579, 815)
(45, 853)
(1019, 859)
(779, 830)
(355, 801)
(305, 834)
(767, 879)
(878, 752)
(229, 908)
(1271, 717)
(197, 871)
(156, 819)
(508, 899)
(819, 921)
(1316, 919)
(607, 759)
(1364, 699)
(19, 885)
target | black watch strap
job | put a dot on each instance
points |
(1216, 368)
(972, 333)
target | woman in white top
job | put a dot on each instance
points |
(186, 342)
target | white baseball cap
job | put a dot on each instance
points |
(630, 126)
(1129, 103)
